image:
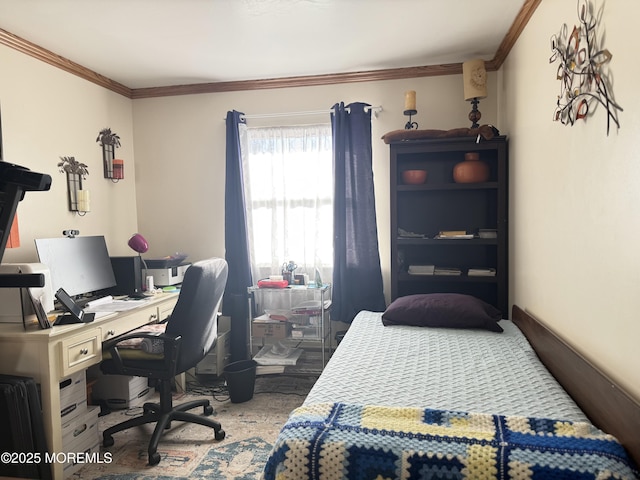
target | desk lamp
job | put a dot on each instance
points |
(139, 244)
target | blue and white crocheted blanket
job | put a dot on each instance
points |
(346, 441)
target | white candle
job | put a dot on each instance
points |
(83, 201)
(410, 100)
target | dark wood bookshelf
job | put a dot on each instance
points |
(442, 204)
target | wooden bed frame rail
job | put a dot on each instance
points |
(607, 405)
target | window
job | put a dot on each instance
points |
(288, 181)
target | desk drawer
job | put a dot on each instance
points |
(81, 351)
(165, 309)
(129, 322)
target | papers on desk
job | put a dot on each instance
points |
(108, 304)
(99, 301)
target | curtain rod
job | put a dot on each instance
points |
(375, 111)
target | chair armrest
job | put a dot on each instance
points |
(108, 344)
(140, 366)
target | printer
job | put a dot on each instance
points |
(166, 276)
(10, 308)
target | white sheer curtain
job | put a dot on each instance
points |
(288, 181)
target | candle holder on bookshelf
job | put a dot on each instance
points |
(410, 109)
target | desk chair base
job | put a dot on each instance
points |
(164, 413)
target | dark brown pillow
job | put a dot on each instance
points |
(450, 310)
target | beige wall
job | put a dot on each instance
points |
(46, 114)
(574, 195)
(180, 150)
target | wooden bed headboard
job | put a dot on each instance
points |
(607, 405)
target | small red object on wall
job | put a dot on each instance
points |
(14, 234)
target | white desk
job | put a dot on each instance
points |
(50, 355)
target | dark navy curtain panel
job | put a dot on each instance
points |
(234, 302)
(357, 277)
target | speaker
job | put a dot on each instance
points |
(128, 273)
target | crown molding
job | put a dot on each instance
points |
(509, 40)
(47, 56)
(304, 81)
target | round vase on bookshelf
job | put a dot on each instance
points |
(472, 170)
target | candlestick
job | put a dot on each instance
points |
(410, 108)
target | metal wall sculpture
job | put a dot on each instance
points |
(582, 70)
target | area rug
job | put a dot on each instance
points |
(189, 451)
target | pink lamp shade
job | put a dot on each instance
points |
(138, 243)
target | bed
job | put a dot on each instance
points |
(403, 401)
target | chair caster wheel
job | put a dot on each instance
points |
(208, 410)
(107, 441)
(154, 458)
(220, 434)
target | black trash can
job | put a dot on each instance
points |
(241, 379)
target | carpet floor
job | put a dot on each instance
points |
(190, 451)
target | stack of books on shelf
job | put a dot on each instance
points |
(274, 316)
(447, 271)
(421, 269)
(269, 369)
(487, 233)
(277, 354)
(454, 234)
(407, 234)
(310, 307)
(482, 272)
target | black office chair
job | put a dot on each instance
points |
(190, 333)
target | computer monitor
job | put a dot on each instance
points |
(79, 265)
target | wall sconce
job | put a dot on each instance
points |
(112, 168)
(76, 172)
(474, 77)
(410, 108)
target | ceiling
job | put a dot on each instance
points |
(159, 43)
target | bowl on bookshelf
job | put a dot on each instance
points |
(414, 177)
